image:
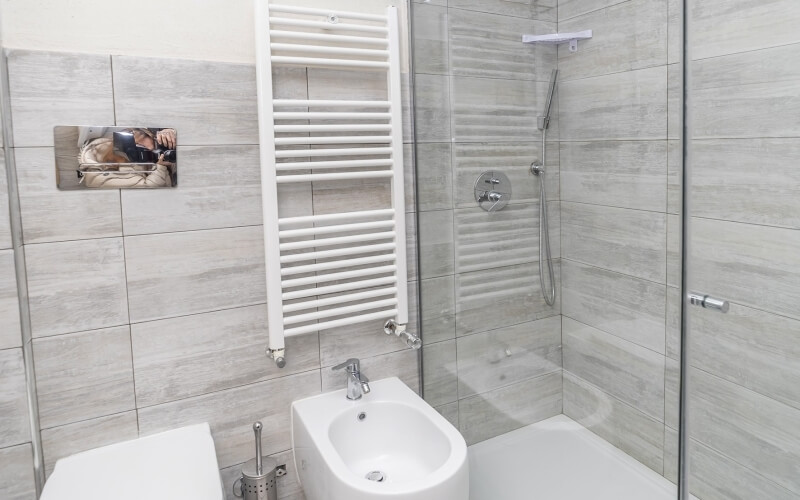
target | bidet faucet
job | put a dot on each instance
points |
(357, 384)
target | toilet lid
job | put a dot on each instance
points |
(175, 465)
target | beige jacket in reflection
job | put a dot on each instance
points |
(117, 178)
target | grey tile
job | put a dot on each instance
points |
(630, 430)
(730, 100)
(361, 340)
(492, 110)
(628, 241)
(759, 185)
(430, 39)
(470, 160)
(401, 364)
(436, 243)
(63, 441)
(489, 46)
(536, 9)
(487, 415)
(753, 430)
(206, 102)
(287, 485)
(630, 308)
(626, 36)
(76, 285)
(336, 196)
(450, 412)
(629, 105)
(631, 373)
(508, 237)
(432, 108)
(570, 8)
(756, 266)
(412, 267)
(84, 375)
(675, 31)
(58, 88)
(49, 214)
(11, 334)
(440, 374)
(16, 481)
(675, 101)
(494, 298)
(438, 304)
(674, 250)
(194, 355)
(434, 176)
(671, 455)
(626, 174)
(409, 178)
(672, 388)
(198, 271)
(219, 186)
(727, 26)
(675, 177)
(673, 323)
(231, 413)
(493, 359)
(14, 423)
(346, 84)
(751, 348)
(5, 221)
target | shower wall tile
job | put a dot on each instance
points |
(66, 440)
(49, 214)
(492, 110)
(630, 373)
(438, 305)
(176, 274)
(628, 241)
(220, 187)
(450, 412)
(194, 355)
(16, 482)
(674, 299)
(544, 10)
(752, 429)
(626, 174)
(672, 390)
(440, 373)
(54, 88)
(568, 9)
(11, 334)
(206, 102)
(722, 27)
(432, 106)
(674, 31)
(436, 243)
(14, 425)
(76, 286)
(627, 106)
(80, 376)
(761, 177)
(5, 221)
(756, 266)
(633, 309)
(514, 159)
(674, 250)
(627, 36)
(434, 176)
(499, 297)
(431, 55)
(675, 177)
(627, 428)
(497, 358)
(489, 46)
(751, 348)
(487, 415)
(232, 412)
(675, 102)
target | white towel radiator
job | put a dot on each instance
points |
(332, 270)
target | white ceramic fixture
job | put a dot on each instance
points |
(175, 465)
(388, 444)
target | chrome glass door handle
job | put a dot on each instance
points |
(708, 302)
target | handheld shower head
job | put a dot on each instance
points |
(544, 120)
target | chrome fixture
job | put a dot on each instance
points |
(392, 327)
(492, 190)
(537, 169)
(709, 302)
(357, 385)
(257, 481)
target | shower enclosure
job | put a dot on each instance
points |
(671, 171)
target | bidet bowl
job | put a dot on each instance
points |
(388, 444)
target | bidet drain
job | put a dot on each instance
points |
(376, 476)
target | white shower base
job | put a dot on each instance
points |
(559, 459)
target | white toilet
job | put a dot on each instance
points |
(175, 465)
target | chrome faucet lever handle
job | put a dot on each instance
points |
(355, 363)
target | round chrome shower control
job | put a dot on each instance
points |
(492, 190)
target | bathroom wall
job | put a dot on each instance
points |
(492, 357)
(744, 392)
(619, 119)
(148, 307)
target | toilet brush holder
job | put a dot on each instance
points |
(258, 479)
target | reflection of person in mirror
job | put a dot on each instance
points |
(135, 145)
